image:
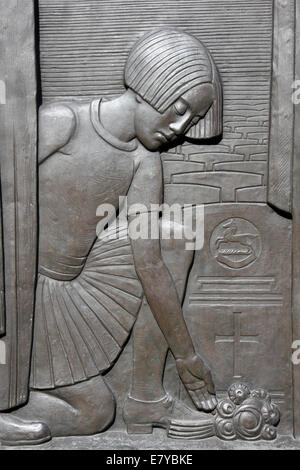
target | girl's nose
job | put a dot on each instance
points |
(179, 126)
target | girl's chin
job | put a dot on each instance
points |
(152, 146)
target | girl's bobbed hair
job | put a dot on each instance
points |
(166, 63)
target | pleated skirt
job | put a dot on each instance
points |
(81, 326)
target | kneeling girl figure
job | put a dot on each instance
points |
(89, 289)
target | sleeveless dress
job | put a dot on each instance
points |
(88, 293)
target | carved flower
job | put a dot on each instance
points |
(238, 393)
(268, 433)
(225, 408)
(271, 413)
(225, 429)
(248, 421)
(260, 393)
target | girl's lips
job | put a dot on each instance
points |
(164, 137)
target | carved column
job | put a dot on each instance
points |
(284, 173)
(296, 244)
(18, 136)
(281, 131)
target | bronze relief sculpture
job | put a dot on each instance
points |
(98, 288)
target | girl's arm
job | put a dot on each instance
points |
(57, 124)
(159, 288)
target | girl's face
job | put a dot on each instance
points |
(154, 129)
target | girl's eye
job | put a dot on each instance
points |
(180, 108)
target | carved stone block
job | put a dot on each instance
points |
(238, 299)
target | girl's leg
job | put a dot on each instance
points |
(85, 408)
(147, 395)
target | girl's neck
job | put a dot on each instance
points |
(117, 116)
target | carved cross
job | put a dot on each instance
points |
(236, 339)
